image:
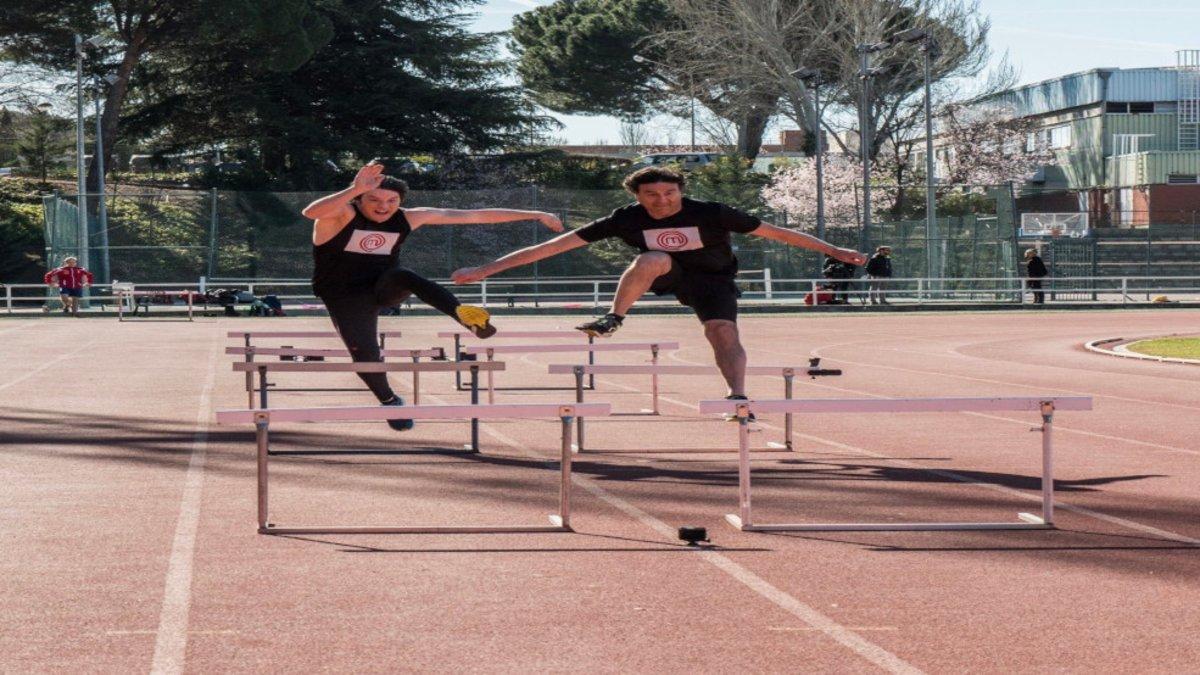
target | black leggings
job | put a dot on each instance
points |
(356, 317)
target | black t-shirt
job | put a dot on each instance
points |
(352, 261)
(697, 237)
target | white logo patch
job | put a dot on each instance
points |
(372, 242)
(673, 239)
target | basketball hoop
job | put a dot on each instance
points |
(1056, 232)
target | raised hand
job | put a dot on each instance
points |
(369, 177)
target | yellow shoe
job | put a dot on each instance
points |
(476, 319)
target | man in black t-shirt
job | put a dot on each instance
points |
(685, 250)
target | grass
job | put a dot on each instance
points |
(1174, 347)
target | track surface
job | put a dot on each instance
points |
(127, 536)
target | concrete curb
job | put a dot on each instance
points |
(1119, 348)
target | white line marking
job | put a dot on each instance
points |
(816, 620)
(47, 365)
(170, 648)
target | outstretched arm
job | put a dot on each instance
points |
(560, 244)
(426, 216)
(801, 240)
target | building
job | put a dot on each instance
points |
(1127, 143)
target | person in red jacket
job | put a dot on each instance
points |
(71, 280)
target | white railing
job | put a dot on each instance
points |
(759, 287)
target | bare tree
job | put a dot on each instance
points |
(740, 56)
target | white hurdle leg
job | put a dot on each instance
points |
(742, 519)
(654, 379)
(579, 399)
(563, 519)
(260, 433)
(1048, 463)
(788, 375)
(491, 380)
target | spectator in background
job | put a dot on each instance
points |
(71, 280)
(1035, 271)
(879, 268)
(839, 274)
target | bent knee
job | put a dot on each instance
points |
(721, 329)
(652, 261)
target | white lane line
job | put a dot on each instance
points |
(1115, 520)
(818, 621)
(815, 619)
(170, 647)
(47, 365)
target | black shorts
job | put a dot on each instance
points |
(712, 296)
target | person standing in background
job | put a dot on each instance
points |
(1035, 271)
(71, 279)
(879, 268)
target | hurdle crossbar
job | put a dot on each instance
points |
(788, 373)
(458, 336)
(560, 522)
(416, 368)
(1045, 405)
(247, 335)
(121, 295)
(491, 350)
(291, 353)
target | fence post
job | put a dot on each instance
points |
(483, 292)
(595, 295)
(212, 233)
(8, 297)
(920, 289)
(767, 283)
(1124, 290)
(1021, 298)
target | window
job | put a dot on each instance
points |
(1116, 107)
(1182, 179)
(1141, 107)
(1060, 137)
(1054, 138)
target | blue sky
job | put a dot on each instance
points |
(1043, 38)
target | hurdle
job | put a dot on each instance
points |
(290, 354)
(788, 373)
(247, 335)
(561, 522)
(1045, 405)
(261, 367)
(654, 347)
(120, 294)
(458, 335)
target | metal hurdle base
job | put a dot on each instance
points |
(559, 522)
(1031, 522)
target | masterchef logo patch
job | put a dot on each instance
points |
(372, 242)
(673, 239)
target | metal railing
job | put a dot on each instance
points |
(758, 287)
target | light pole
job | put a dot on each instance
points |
(865, 73)
(813, 79)
(638, 58)
(929, 47)
(102, 206)
(85, 239)
(81, 178)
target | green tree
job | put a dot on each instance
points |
(41, 141)
(577, 56)
(392, 80)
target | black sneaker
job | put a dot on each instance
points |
(476, 319)
(602, 327)
(732, 417)
(399, 424)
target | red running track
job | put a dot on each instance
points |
(127, 539)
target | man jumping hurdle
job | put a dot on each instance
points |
(685, 250)
(357, 234)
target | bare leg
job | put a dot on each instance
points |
(638, 278)
(722, 334)
(66, 302)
